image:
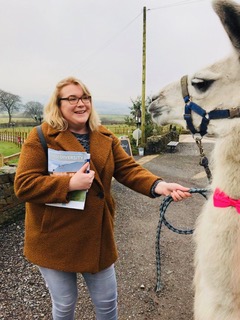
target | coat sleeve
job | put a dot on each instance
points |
(32, 182)
(130, 173)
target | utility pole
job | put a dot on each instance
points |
(143, 139)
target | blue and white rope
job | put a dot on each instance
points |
(163, 207)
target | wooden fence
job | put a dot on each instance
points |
(123, 130)
(17, 137)
(5, 160)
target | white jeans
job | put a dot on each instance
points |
(62, 286)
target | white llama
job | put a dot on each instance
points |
(217, 233)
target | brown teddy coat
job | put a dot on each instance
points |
(69, 239)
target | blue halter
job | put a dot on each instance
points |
(206, 116)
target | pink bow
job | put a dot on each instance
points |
(221, 200)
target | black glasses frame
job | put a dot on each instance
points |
(74, 100)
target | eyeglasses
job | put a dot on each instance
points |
(74, 100)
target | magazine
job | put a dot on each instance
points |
(62, 162)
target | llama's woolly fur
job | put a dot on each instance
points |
(217, 232)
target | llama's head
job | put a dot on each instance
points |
(214, 87)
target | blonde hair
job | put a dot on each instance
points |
(53, 115)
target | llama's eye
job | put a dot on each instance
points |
(201, 84)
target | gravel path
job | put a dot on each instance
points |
(23, 294)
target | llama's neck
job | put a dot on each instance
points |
(226, 162)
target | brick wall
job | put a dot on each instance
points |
(10, 207)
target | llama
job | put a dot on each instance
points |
(214, 89)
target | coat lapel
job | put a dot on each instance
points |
(100, 148)
(67, 141)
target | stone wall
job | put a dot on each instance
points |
(158, 143)
(10, 207)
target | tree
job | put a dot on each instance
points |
(9, 102)
(34, 110)
(136, 106)
(133, 118)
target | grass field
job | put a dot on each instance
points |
(15, 119)
(109, 118)
(8, 148)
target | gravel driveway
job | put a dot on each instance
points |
(23, 293)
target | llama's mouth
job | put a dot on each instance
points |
(159, 111)
(156, 114)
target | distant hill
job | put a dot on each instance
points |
(102, 107)
(106, 107)
(112, 118)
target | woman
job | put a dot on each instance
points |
(63, 242)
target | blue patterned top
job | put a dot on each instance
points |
(84, 140)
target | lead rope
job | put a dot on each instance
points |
(163, 207)
(165, 203)
(203, 159)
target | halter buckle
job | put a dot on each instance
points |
(234, 113)
(197, 137)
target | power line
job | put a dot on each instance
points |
(112, 39)
(176, 4)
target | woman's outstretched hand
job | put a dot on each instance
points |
(175, 190)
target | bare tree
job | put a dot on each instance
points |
(9, 102)
(34, 110)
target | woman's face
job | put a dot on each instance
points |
(75, 111)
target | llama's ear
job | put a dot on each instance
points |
(229, 14)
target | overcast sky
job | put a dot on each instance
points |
(100, 42)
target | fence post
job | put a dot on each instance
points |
(1, 160)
